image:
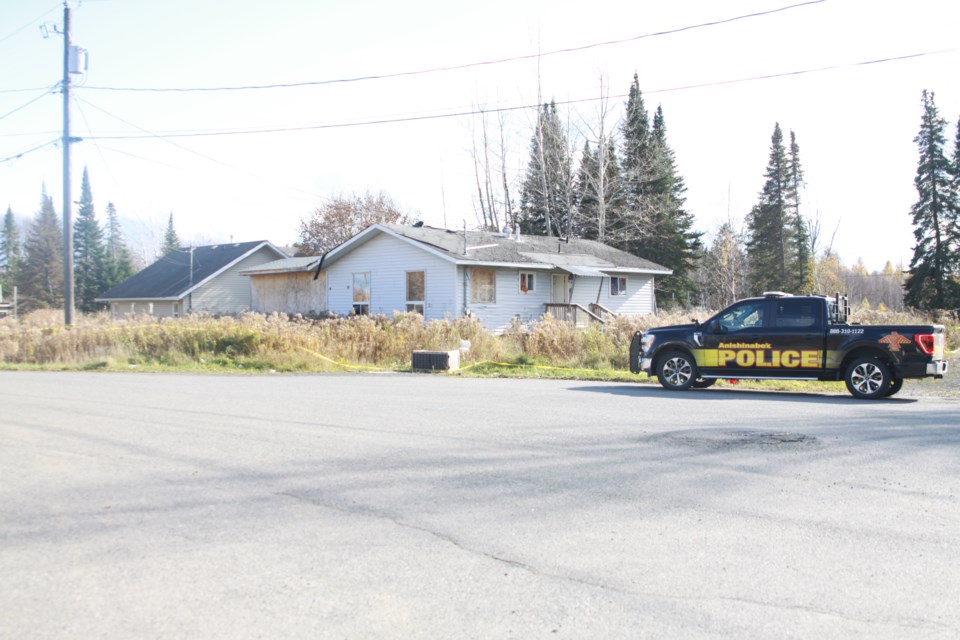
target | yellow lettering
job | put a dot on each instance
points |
(761, 361)
(790, 359)
(811, 359)
(724, 356)
(745, 358)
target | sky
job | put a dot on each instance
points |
(389, 95)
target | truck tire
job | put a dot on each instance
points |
(867, 378)
(676, 370)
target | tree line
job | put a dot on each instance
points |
(626, 191)
(32, 259)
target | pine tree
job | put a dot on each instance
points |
(10, 251)
(671, 240)
(932, 281)
(171, 241)
(633, 221)
(89, 257)
(42, 271)
(771, 243)
(119, 264)
(803, 282)
(546, 197)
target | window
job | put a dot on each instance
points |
(176, 309)
(618, 286)
(416, 291)
(748, 315)
(527, 281)
(361, 293)
(483, 288)
(796, 313)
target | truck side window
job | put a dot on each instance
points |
(796, 314)
(743, 316)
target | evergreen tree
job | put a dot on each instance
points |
(89, 256)
(932, 282)
(9, 252)
(546, 197)
(171, 241)
(119, 264)
(42, 270)
(670, 240)
(771, 243)
(803, 282)
(633, 220)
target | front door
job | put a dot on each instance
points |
(559, 295)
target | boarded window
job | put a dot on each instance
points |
(416, 291)
(483, 288)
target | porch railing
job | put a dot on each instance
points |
(573, 313)
(601, 311)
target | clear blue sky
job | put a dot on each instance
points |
(855, 124)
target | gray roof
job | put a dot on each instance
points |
(484, 248)
(489, 248)
(285, 265)
(170, 277)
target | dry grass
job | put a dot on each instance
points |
(281, 343)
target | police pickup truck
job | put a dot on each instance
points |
(790, 338)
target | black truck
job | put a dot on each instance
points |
(788, 337)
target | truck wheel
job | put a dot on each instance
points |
(867, 378)
(676, 371)
(703, 383)
(895, 385)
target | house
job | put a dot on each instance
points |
(497, 277)
(196, 279)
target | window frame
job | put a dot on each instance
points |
(616, 288)
(527, 282)
(416, 305)
(361, 305)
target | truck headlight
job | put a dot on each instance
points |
(646, 342)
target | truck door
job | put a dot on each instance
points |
(732, 339)
(796, 337)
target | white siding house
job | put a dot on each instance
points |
(497, 278)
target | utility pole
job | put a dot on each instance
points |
(68, 301)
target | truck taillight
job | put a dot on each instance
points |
(925, 341)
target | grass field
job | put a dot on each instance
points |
(256, 343)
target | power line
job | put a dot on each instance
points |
(17, 156)
(164, 138)
(23, 106)
(466, 65)
(474, 112)
(35, 20)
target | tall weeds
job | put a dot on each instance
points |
(283, 343)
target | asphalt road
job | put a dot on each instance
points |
(427, 506)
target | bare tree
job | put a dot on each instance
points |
(343, 217)
(722, 270)
(495, 207)
(597, 191)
